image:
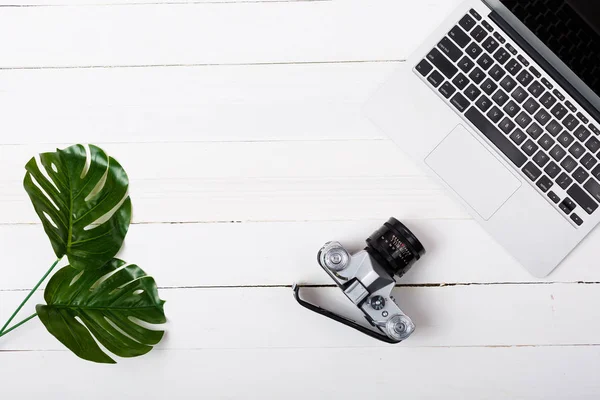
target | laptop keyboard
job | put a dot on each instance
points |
(520, 112)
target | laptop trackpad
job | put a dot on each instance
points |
(473, 172)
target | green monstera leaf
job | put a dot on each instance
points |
(103, 304)
(83, 203)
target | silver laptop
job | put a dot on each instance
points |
(501, 104)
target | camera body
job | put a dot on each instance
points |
(367, 278)
(369, 286)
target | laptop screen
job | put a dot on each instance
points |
(570, 28)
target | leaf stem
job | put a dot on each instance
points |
(19, 324)
(28, 297)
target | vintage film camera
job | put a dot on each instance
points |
(367, 279)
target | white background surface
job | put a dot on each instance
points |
(239, 125)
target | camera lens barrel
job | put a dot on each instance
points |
(395, 247)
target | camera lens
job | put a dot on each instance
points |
(395, 247)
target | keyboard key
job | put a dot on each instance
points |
(596, 172)
(511, 49)
(524, 78)
(548, 100)
(450, 49)
(490, 45)
(558, 153)
(535, 130)
(495, 114)
(523, 60)
(487, 26)
(459, 36)
(508, 84)
(567, 206)
(460, 81)
(496, 72)
(570, 106)
(519, 94)
(442, 63)
(467, 23)
(582, 118)
(499, 37)
(477, 75)
(565, 139)
(564, 181)
(529, 147)
(472, 92)
(485, 62)
(518, 136)
(558, 94)
(536, 89)
(500, 97)
(580, 175)
(576, 150)
(554, 197)
(473, 50)
(465, 64)
(424, 68)
(475, 14)
(593, 144)
(544, 184)
(546, 142)
(478, 33)
(568, 164)
(554, 128)
(447, 89)
(593, 188)
(512, 108)
(541, 158)
(502, 56)
(523, 119)
(460, 102)
(582, 199)
(513, 67)
(506, 126)
(559, 111)
(594, 129)
(570, 122)
(552, 169)
(435, 79)
(575, 218)
(542, 117)
(483, 103)
(546, 83)
(582, 133)
(531, 171)
(489, 86)
(588, 161)
(496, 137)
(531, 106)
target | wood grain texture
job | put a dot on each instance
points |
(540, 373)
(253, 109)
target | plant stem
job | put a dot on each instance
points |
(19, 324)
(29, 296)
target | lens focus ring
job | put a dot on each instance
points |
(395, 247)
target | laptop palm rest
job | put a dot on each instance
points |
(473, 172)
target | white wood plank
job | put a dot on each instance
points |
(248, 318)
(555, 373)
(234, 254)
(209, 103)
(190, 182)
(201, 33)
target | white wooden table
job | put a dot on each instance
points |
(239, 124)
